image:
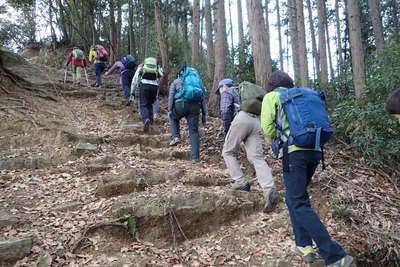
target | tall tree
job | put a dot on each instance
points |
(338, 36)
(113, 31)
(313, 40)
(357, 54)
(131, 36)
(259, 45)
(210, 42)
(395, 18)
(161, 42)
(278, 23)
(322, 43)
(303, 63)
(196, 32)
(220, 52)
(292, 13)
(375, 14)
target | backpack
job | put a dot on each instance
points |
(307, 117)
(129, 62)
(78, 54)
(102, 53)
(251, 97)
(150, 69)
(192, 86)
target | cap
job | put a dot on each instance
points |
(223, 82)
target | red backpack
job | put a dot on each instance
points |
(102, 53)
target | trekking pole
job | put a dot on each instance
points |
(87, 80)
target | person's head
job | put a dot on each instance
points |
(223, 85)
(393, 104)
(279, 79)
(181, 69)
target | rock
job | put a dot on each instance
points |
(93, 168)
(84, 149)
(7, 219)
(134, 180)
(146, 140)
(70, 206)
(16, 249)
(80, 93)
(199, 179)
(138, 128)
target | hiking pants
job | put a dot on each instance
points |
(126, 80)
(191, 111)
(147, 96)
(76, 74)
(156, 107)
(98, 69)
(246, 128)
(306, 224)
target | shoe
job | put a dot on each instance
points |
(175, 141)
(128, 102)
(241, 187)
(346, 261)
(146, 126)
(155, 117)
(306, 253)
(271, 199)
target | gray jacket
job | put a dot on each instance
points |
(176, 86)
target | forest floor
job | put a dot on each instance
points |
(73, 164)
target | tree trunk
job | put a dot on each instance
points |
(395, 20)
(63, 26)
(113, 32)
(322, 44)
(328, 44)
(313, 40)
(210, 43)
(220, 54)
(196, 33)
(162, 45)
(294, 40)
(302, 44)
(231, 28)
(52, 31)
(375, 14)
(278, 13)
(185, 32)
(131, 36)
(338, 37)
(119, 28)
(357, 55)
(259, 44)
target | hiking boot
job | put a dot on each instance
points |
(271, 199)
(146, 126)
(307, 253)
(175, 141)
(128, 102)
(346, 261)
(240, 187)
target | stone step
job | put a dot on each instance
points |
(135, 180)
(163, 219)
(14, 249)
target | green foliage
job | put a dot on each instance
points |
(368, 128)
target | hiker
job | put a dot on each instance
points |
(186, 99)
(127, 67)
(77, 58)
(241, 126)
(145, 87)
(99, 55)
(393, 104)
(299, 164)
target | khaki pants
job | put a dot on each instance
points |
(76, 74)
(246, 128)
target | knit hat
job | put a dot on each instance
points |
(279, 79)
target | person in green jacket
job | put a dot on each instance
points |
(393, 104)
(302, 164)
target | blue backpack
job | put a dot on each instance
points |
(307, 117)
(129, 62)
(192, 85)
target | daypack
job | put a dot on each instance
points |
(150, 69)
(129, 62)
(78, 54)
(307, 117)
(192, 86)
(251, 97)
(102, 53)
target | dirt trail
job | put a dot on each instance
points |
(69, 199)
